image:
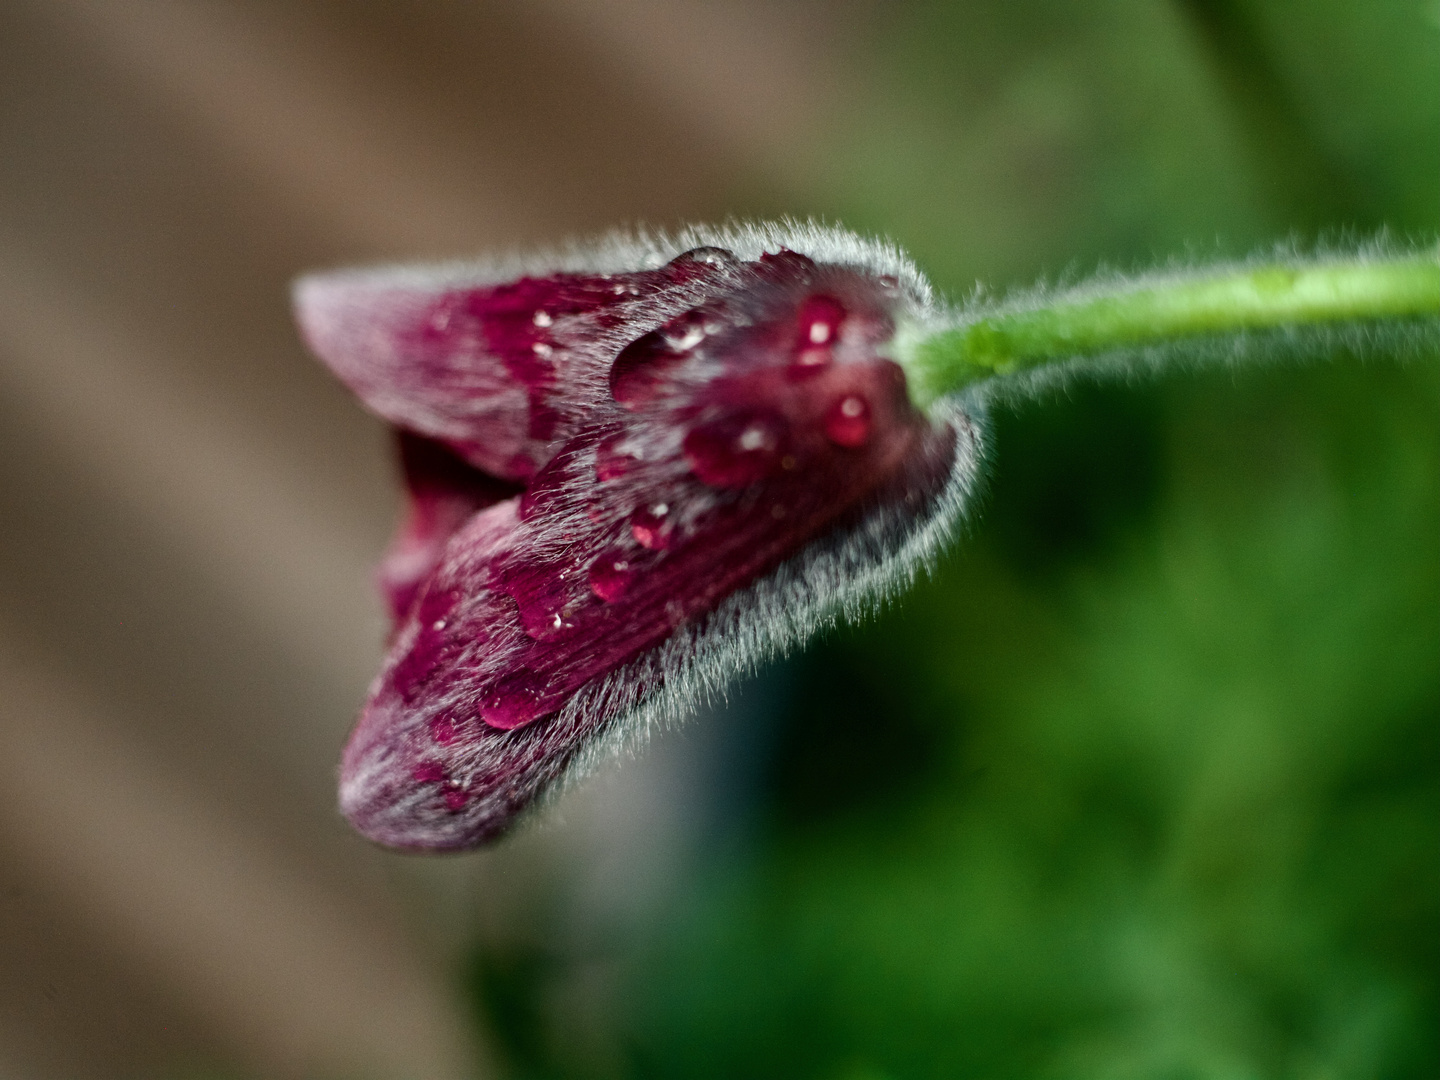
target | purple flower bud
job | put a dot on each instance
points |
(632, 472)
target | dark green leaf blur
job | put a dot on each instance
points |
(1142, 783)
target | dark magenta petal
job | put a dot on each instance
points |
(442, 491)
(718, 456)
(501, 372)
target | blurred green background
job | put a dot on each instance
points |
(1143, 782)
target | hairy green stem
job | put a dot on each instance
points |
(1215, 304)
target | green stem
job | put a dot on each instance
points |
(1143, 315)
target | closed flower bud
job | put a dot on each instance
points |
(632, 472)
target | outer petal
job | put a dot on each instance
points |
(769, 470)
(503, 372)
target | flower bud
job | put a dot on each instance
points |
(632, 471)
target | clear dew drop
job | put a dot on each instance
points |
(820, 321)
(545, 615)
(513, 703)
(684, 337)
(848, 423)
(639, 371)
(818, 332)
(713, 256)
(547, 599)
(452, 794)
(753, 437)
(611, 575)
(542, 318)
(651, 527)
(644, 367)
(812, 359)
(614, 459)
(736, 451)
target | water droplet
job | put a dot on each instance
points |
(818, 330)
(644, 366)
(820, 319)
(513, 703)
(438, 624)
(651, 528)
(714, 256)
(442, 729)
(737, 450)
(542, 318)
(641, 369)
(848, 421)
(540, 348)
(613, 458)
(546, 615)
(610, 576)
(786, 263)
(545, 596)
(455, 800)
(811, 361)
(685, 336)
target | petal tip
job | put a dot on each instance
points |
(335, 311)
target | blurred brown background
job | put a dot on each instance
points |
(190, 507)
